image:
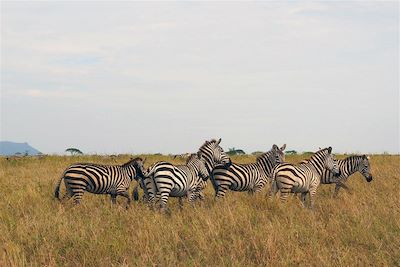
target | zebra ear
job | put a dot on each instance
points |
(283, 147)
(275, 147)
(330, 150)
(219, 141)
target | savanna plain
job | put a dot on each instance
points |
(358, 228)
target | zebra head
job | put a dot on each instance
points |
(279, 154)
(363, 168)
(330, 161)
(213, 154)
(138, 165)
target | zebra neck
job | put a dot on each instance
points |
(194, 173)
(351, 165)
(317, 164)
(131, 171)
(208, 162)
(265, 165)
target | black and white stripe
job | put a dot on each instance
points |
(100, 179)
(166, 182)
(250, 177)
(347, 167)
(175, 180)
(303, 178)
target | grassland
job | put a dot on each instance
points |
(358, 229)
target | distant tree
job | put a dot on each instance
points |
(74, 151)
(291, 152)
(233, 151)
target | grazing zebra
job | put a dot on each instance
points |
(347, 167)
(100, 179)
(303, 178)
(166, 184)
(250, 177)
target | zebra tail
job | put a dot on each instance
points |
(57, 189)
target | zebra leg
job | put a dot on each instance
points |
(273, 190)
(65, 197)
(113, 199)
(164, 192)
(76, 193)
(221, 190)
(77, 197)
(312, 192)
(126, 195)
(135, 192)
(337, 188)
(201, 196)
(346, 187)
(284, 194)
(303, 198)
(180, 200)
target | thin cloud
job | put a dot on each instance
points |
(253, 73)
(57, 94)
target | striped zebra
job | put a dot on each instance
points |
(347, 167)
(176, 180)
(303, 178)
(100, 179)
(250, 177)
(166, 180)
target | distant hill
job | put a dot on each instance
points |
(10, 148)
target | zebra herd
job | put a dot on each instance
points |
(163, 179)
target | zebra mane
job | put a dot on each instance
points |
(356, 157)
(207, 143)
(264, 155)
(131, 161)
(191, 156)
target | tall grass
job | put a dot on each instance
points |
(362, 228)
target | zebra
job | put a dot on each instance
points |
(250, 177)
(100, 179)
(303, 178)
(176, 180)
(347, 167)
(210, 153)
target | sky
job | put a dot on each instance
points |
(163, 77)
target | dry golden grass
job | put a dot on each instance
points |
(356, 229)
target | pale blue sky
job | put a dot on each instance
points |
(135, 77)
